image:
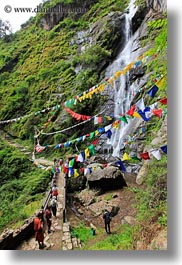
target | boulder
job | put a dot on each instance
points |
(142, 173)
(109, 178)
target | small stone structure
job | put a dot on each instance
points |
(69, 242)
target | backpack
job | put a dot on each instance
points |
(53, 203)
(107, 217)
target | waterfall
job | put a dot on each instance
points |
(122, 89)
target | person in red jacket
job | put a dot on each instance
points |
(39, 234)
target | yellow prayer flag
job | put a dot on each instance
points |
(76, 174)
(108, 118)
(126, 157)
(115, 125)
(136, 115)
(101, 88)
(87, 153)
(96, 132)
(118, 73)
(160, 83)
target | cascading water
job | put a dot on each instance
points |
(122, 96)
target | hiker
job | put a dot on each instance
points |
(48, 216)
(61, 162)
(55, 191)
(55, 161)
(54, 205)
(42, 217)
(38, 228)
(107, 220)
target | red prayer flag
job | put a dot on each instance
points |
(163, 101)
(145, 156)
(95, 142)
(157, 112)
(131, 110)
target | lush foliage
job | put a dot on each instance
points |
(22, 188)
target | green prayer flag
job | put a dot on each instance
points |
(92, 150)
(92, 135)
(123, 118)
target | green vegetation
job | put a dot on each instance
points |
(22, 188)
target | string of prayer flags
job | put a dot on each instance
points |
(153, 91)
(77, 116)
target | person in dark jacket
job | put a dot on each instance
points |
(107, 220)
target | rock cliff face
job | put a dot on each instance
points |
(61, 11)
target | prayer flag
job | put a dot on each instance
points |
(136, 115)
(157, 112)
(92, 134)
(92, 150)
(123, 118)
(131, 110)
(156, 154)
(153, 91)
(121, 166)
(95, 142)
(164, 148)
(76, 174)
(126, 157)
(145, 156)
(140, 104)
(163, 101)
(87, 153)
(108, 134)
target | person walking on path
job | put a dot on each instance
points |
(54, 205)
(48, 216)
(107, 220)
(55, 191)
(38, 228)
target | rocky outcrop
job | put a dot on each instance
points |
(159, 242)
(109, 178)
(108, 32)
(157, 5)
(61, 11)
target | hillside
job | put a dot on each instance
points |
(61, 86)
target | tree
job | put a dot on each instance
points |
(5, 28)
